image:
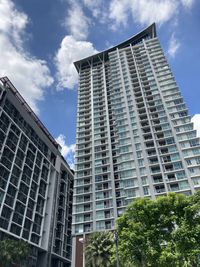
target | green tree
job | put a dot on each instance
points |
(13, 252)
(99, 249)
(161, 233)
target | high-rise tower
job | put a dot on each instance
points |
(134, 135)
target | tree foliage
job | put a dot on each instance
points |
(13, 252)
(161, 233)
(99, 249)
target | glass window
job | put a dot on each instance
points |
(79, 228)
(175, 157)
(1, 196)
(130, 193)
(15, 229)
(189, 162)
(100, 215)
(100, 225)
(6, 213)
(198, 160)
(141, 162)
(172, 149)
(127, 173)
(177, 165)
(126, 165)
(142, 171)
(183, 185)
(196, 181)
(144, 180)
(100, 205)
(128, 183)
(124, 149)
(194, 143)
(196, 151)
(11, 190)
(138, 146)
(146, 190)
(180, 175)
(99, 195)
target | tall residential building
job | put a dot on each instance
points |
(36, 183)
(134, 135)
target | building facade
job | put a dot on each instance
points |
(134, 135)
(36, 183)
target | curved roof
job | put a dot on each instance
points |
(149, 31)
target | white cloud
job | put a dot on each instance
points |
(187, 3)
(174, 45)
(119, 12)
(28, 74)
(12, 22)
(68, 152)
(145, 12)
(70, 51)
(196, 121)
(93, 6)
(97, 8)
(77, 23)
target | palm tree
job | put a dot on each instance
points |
(99, 249)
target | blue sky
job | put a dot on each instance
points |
(39, 40)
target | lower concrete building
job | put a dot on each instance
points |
(36, 183)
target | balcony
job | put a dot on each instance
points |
(157, 179)
(159, 189)
(153, 161)
(149, 144)
(87, 228)
(166, 159)
(155, 169)
(148, 137)
(144, 124)
(151, 152)
(174, 187)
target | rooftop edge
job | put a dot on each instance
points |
(8, 84)
(150, 30)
